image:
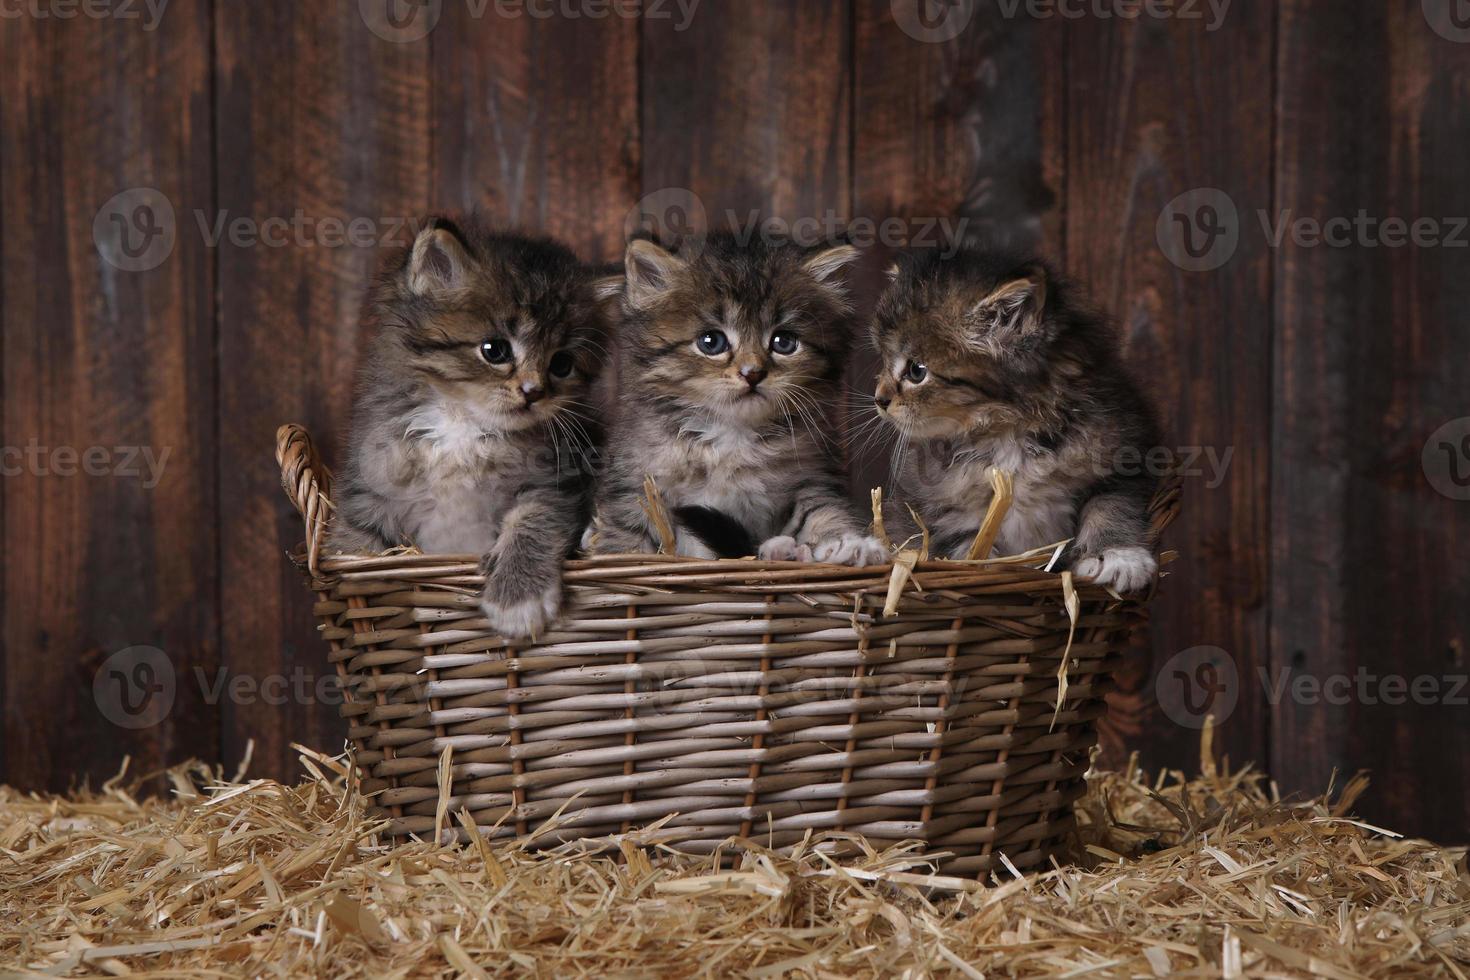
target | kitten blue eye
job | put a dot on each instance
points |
(496, 351)
(561, 364)
(784, 342)
(916, 372)
(712, 343)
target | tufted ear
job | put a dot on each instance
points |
(824, 266)
(650, 271)
(1013, 309)
(439, 262)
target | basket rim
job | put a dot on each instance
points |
(307, 481)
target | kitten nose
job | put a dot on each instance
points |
(883, 403)
(532, 392)
(753, 374)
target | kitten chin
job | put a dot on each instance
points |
(472, 429)
(731, 370)
(988, 361)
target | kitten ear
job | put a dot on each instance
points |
(650, 271)
(824, 265)
(607, 291)
(1014, 307)
(438, 263)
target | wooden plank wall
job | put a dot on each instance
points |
(1328, 550)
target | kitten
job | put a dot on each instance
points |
(469, 429)
(986, 361)
(732, 360)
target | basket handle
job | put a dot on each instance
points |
(1165, 506)
(307, 483)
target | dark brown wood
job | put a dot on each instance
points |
(319, 117)
(1156, 108)
(100, 559)
(536, 121)
(748, 108)
(1368, 570)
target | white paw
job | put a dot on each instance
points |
(1123, 570)
(588, 537)
(860, 550)
(527, 617)
(784, 548)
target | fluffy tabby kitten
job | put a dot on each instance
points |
(987, 361)
(731, 361)
(469, 433)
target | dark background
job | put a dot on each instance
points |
(1323, 369)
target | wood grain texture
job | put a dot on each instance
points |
(748, 108)
(99, 557)
(321, 117)
(1158, 107)
(536, 122)
(1368, 575)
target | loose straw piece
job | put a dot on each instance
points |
(879, 530)
(658, 516)
(903, 569)
(1074, 609)
(1002, 487)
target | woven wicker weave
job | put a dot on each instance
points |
(762, 700)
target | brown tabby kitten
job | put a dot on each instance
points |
(987, 362)
(469, 430)
(731, 362)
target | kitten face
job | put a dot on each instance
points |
(962, 342)
(743, 335)
(506, 329)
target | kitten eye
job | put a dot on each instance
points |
(561, 365)
(712, 343)
(916, 372)
(496, 351)
(784, 342)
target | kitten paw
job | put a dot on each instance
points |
(784, 548)
(521, 618)
(1123, 570)
(860, 550)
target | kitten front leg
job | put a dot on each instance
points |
(1113, 546)
(523, 570)
(823, 521)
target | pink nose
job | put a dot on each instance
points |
(532, 392)
(753, 374)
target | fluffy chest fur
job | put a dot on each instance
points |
(949, 485)
(443, 483)
(731, 471)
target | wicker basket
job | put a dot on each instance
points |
(760, 700)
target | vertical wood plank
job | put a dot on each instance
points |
(748, 107)
(536, 121)
(325, 117)
(1367, 580)
(1158, 107)
(108, 345)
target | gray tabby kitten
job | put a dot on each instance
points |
(986, 361)
(731, 362)
(469, 429)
